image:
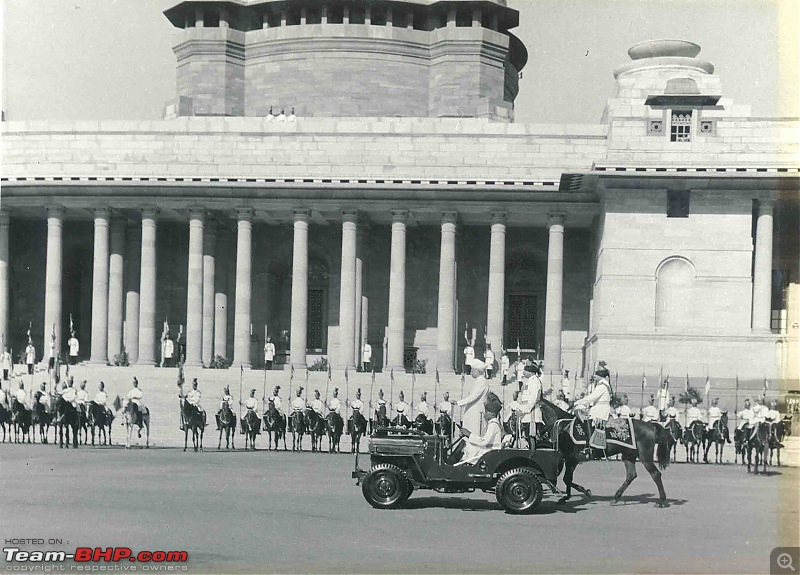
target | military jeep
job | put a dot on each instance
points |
(402, 460)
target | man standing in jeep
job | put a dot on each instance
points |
(478, 445)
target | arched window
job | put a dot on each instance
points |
(675, 293)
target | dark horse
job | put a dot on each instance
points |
(251, 427)
(297, 424)
(226, 422)
(357, 427)
(741, 438)
(716, 436)
(693, 438)
(776, 440)
(316, 428)
(401, 420)
(675, 432)
(423, 424)
(83, 422)
(100, 418)
(5, 420)
(41, 418)
(650, 438)
(334, 426)
(380, 419)
(21, 420)
(512, 427)
(444, 425)
(67, 418)
(275, 424)
(192, 421)
(758, 442)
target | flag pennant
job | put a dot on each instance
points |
(330, 372)
(708, 385)
(644, 380)
(766, 384)
(30, 325)
(71, 325)
(373, 377)
(346, 377)
(466, 333)
(291, 373)
(437, 376)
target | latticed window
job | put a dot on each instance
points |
(681, 127)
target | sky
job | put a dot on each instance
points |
(113, 60)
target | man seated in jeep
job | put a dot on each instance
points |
(476, 446)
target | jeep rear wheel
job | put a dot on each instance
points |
(519, 491)
(385, 486)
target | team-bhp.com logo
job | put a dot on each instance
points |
(96, 555)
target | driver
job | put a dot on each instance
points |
(476, 446)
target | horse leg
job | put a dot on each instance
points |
(630, 475)
(202, 432)
(656, 475)
(185, 437)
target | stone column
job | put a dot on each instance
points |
(445, 341)
(132, 294)
(244, 272)
(52, 282)
(397, 292)
(497, 282)
(762, 269)
(209, 273)
(4, 223)
(116, 265)
(147, 290)
(347, 292)
(221, 295)
(554, 297)
(298, 335)
(357, 333)
(99, 353)
(194, 290)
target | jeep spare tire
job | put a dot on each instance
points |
(519, 491)
(385, 486)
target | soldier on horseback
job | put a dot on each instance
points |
(251, 404)
(227, 398)
(298, 403)
(43, 397)
(21, 396)
(423, 407)
(82, 398)
(693, 414)
(193, 398)
(335, 404)
(70, 394)
(773, 417)
(101, 398)
(317, 405)
(277, 402)
(672, 411)
(401, 408)
(134, 397)
(650, 413)
(600, 401)
(715, 415)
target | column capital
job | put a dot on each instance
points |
(55, 212)
(766, 202)
(499, 217)
(244, 214)
(450, 217)
(556, 219)
(103, 212)
(350, 216)
(301, 215)
(149, 212)
(399, 216)
(197, 214)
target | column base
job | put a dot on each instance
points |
(98, 362)
(244, 365)
(193, 364)
(146, 363)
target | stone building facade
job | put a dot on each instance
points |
(403, 206)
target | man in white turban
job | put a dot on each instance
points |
(472, 404)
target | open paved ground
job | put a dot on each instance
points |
(296, 513)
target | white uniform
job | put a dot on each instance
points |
(366, 354)
(82, 396)
(672, 412)
(169, 349)
(44, 399)
(566, 387)
(229, 400)
(251, 404)
(269, 351)
(714, 415)
(318, 406)
(477, 445)
(135, 395)
(21, 396)
(335, 405)
(773, 415)
(401, 407)
(759, 414)
(446, 407)
(357, 405)
(520, 368)
(74, 347)
(599, 399)
(650, 413)
(298, 404)
(488, 357)
(505, 363)
(30, 354)
(193, 397)
(53, 352)
(744, 417)
(278, 402)
(693, 414)
(469, 354)
(624, 411)
(529, 400)
(6, 360)
(663, 399)
(69, 394)
(101, 398)
(423, 408)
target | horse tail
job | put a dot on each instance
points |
(662, 447)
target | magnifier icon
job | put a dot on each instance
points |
(784, 561)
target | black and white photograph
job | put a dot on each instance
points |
(400, 286)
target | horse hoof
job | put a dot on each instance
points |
(562, 500)
(614, 502)
(661, 504)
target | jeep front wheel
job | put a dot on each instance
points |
(385, 486)
(519, 491)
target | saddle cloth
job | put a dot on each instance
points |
(618, 431)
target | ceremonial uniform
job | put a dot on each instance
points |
(624, 411)
(744, 417)
(759, 414)
(663, 399)
(357, 405)
(693, 414)
(672, 412)
(488, 358)
(650, 413)
(6, 360)
(366, 356)
(318, 406)
(251, 404)
(469, 356)
(101, 398)
(335, 404)
(82, 396)
(21, 396)
(401, 407)
(44, 399)
(298, 404)
(505, 364)
(30, 358)
(446, 407)
(193, 397)
(169, 351)
(69, 394)
(473, 403)
(529, 400)
(278, 403)
(135, 395)
(269, 354)
(422, 408)
(714, 415)
(74, 349)
(51, 363)
(773, 415)
(599, 399)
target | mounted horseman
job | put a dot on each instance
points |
(41, 415)
(380, 416)
(193, 416)
(315, 421)
(297, 421)
(82, 401)
(717, 431)
(357, 424)
(20, 414)
(694, 433)
(599, 403)
(100, 416)
(422, 422)
(742, 433)
(226, 420)
(334, 423)
(444, 424)
(675, 429)
(67, 416)
(136, 413)
(401, 419)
